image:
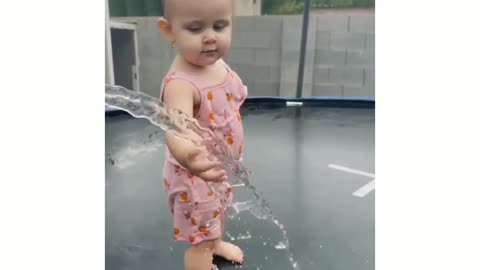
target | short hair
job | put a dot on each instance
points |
(167, 9)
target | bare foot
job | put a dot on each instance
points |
(229, 251)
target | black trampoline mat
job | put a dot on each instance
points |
(294, 154)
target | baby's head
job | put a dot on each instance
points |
(201, 30)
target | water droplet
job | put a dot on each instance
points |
(171, 249)
(230, 236)
(280, 245)
(246, 236)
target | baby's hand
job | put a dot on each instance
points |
(198, 164)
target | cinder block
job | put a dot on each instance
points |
(243, 24)
(346, 76)
(292, 23)
(370, 42)
(269, 56)
(307, 89)
(264, 89)
(267, 23)
(288, 89)
(369, 81)
(351, 91)
(356, 58)
(347, 41)
(326, 57)
(333, 23)
(295, 23)
(292, 33)
(311, 40)
(362, 23)
(293, 57)
(308, 74)
(245, 71)
(275, 39)
(322, 40)
(241, 55)
(274, 73)
(289, 43)
(326, 89)
(291, 40)
(262, 73)
(252, 40)
(289, 73)
(320, 75)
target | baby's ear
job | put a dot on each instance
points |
(166, 29)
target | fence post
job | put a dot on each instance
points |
(303, 46)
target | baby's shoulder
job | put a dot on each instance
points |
(174, 85)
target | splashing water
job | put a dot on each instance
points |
(232, 238)
(144, 106)
(244, 236)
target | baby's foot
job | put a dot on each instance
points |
(229, 251)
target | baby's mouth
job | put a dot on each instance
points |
(209, 51)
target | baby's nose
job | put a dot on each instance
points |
(209, 37)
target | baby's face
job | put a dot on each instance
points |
(202, 29)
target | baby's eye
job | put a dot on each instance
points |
(219, 27)
(194, 29)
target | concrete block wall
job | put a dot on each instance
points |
(291, 37)
(247, 7)
(340, 56)
(256, 53)
(345, 56)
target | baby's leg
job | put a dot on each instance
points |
(200, 256)
(227, 250)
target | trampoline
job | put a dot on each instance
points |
(314, 164)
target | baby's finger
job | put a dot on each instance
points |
(214, 175)
(203, 165)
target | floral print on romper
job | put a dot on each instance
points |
(197, 211)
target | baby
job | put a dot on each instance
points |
(203, 86)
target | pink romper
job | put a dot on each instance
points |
(197, 211)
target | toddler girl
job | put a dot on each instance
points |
(203, 86)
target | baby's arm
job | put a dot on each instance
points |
(180, 95)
